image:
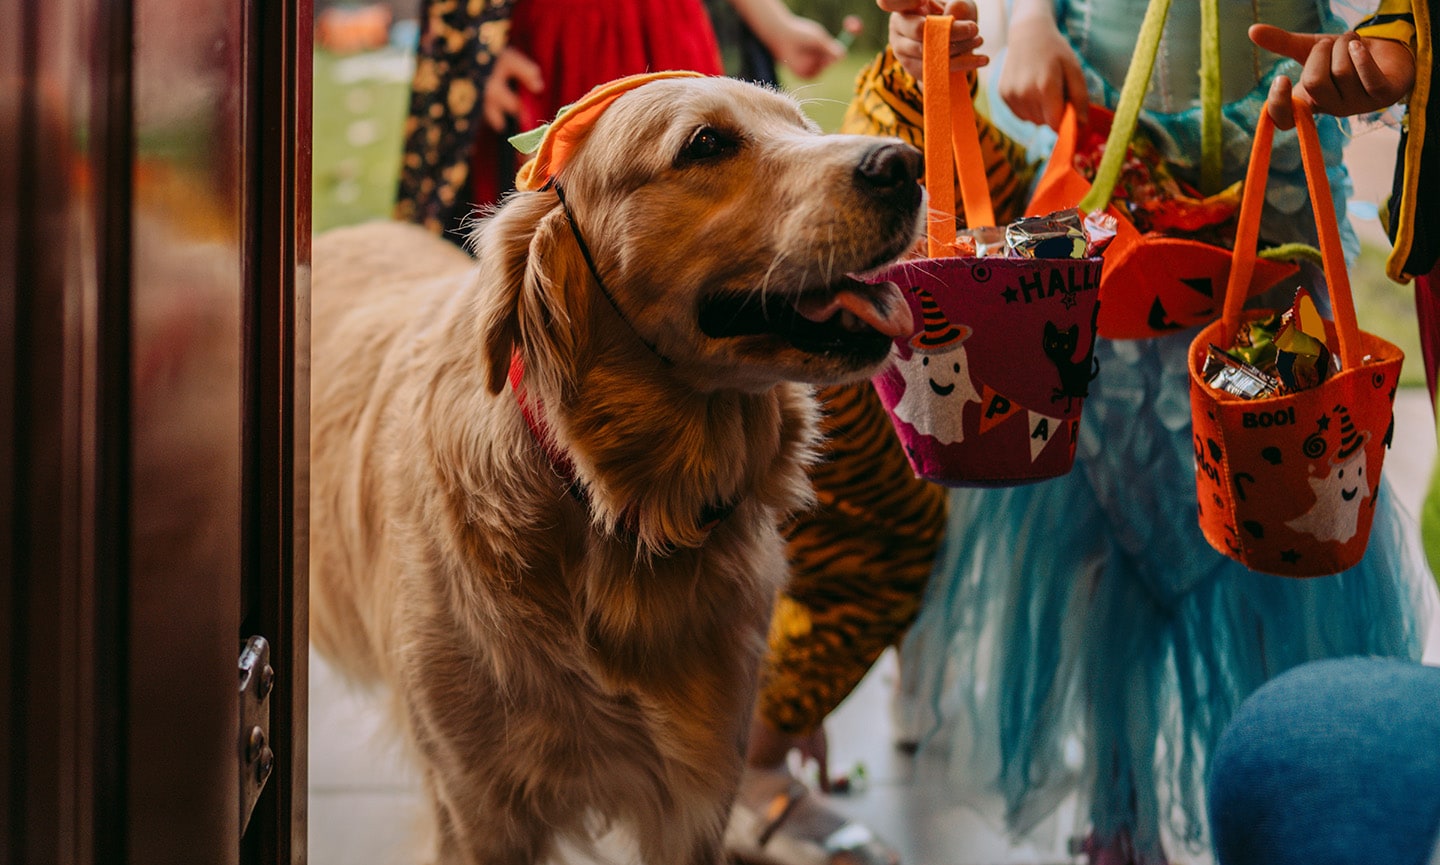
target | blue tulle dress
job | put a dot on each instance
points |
(1080, 636)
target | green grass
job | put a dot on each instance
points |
(360, 106)
(358, 119)
(1387, 309)
(826, 96)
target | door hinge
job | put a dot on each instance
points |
(257, 758)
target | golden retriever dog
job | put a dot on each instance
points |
(548, 484)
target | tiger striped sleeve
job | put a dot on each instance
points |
(888, 101)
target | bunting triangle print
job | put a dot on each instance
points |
(1043, 429)
(994, 408)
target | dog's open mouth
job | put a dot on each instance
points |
(848, 316)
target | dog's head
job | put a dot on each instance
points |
(726, 231)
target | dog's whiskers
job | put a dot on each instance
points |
(830, 258)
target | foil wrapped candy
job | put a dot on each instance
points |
(1063, 234)
(1280, 354)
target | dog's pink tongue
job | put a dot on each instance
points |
(881, 307)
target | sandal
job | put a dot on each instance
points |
(794, 827)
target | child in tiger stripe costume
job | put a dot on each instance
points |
(859, 561)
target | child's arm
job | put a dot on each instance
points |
(802, 45)
(1042, 73)
(907, 26)
(1344, 74)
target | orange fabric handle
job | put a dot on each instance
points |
(1247, 233)
(950, 128)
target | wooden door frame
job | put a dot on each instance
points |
(278, 430)
(117, 660)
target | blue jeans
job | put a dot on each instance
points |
(1335, 762)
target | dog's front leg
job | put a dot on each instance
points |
(480, 809)
(474, 834)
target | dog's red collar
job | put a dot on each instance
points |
(710, 516)
(559, 460)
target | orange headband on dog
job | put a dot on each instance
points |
(558, 140)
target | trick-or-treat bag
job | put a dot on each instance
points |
(988, 391)
(1292, 413)
(1171, 254)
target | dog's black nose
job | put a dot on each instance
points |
(890, 170)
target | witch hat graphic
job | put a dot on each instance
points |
(1351, 439)
(937, 334)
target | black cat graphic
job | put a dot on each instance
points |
(1075, 376)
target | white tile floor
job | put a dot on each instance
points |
(364, 803)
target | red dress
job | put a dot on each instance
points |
(581, 43)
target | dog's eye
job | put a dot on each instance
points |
(708, 143)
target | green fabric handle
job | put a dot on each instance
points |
(1127, 111)
(1132, 97)
(1291, 252)
(1210, 156)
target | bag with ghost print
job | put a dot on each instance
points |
(988, 391)
(1286, 484)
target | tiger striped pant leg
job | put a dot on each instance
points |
(859, 563)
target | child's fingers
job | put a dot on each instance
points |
(962, 10)
(524, 70)
(1280, 105)
(907, 27)
(922, 7)
(1296, 46)
(964, 36)
(968, 62)
(1344, 75)
(1372, 78)
(1316, 79)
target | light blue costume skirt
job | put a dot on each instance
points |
(1080, 635)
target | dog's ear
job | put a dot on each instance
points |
(534, 289)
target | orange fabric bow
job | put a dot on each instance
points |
(563, 134)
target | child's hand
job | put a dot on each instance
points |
(907, 33)
(804, 46)
(1344, 74)
(1042, 74)
(512, 70)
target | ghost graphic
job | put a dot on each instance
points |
(937, 376)
(1339, 492)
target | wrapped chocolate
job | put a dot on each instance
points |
(985, 240)
(1151, 194)
(1227, 373)
(1282, 353)
(1100, 227)
(1056, 235)
(1062, 234)
(1255, 342)
(1302, 359)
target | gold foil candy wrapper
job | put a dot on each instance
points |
(1289, 346)
(1229, 374)
(1301, 360)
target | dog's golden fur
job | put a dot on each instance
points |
(559, 660)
